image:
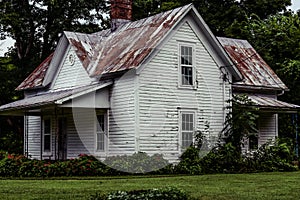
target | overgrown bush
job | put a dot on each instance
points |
(169, 193)
(138, 163)
(226, 158)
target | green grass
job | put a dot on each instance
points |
(216, 187)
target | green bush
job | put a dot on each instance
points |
(138, 163)
(169, 193)
(189, 162)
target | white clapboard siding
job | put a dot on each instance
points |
(160, 99)
(71, 74)
(267, 127)
(122, 116)
(80, 132)
(33, 134)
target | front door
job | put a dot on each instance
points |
(62, 139)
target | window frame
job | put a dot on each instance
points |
(181, 128)
(47, 152)
(181, 66)
(105, 133)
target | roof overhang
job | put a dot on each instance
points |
(49, 99)
(267, 104)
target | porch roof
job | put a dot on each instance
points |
(48, 98)
(273, 105)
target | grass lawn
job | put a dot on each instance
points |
(221, 186)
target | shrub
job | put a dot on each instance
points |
(189, 162)
(169, 193)
(138, 163)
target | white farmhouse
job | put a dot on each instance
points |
(146, 86)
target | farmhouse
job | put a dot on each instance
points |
(147, 85)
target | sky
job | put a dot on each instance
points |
(4, 44)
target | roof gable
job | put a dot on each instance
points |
(256, 72)
(127, 47)
(36, 78)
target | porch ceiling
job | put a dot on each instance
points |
(273, 105)
(48, 99)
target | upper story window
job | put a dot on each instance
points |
(187, 69)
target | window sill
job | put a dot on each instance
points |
(189, 87)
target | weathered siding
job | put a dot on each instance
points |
(33, 134)
(122, 116)
(161, 99)
(267, 127)
(71, 75)
(80, 132)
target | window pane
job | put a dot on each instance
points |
(187, 75)
(187, 129)
(47, 126)
(47, 135)
(187, 139)
(100, 124)
(47, 142)
(186, 55)
(100, 141)
(100, 135)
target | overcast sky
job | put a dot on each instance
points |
(4, 44)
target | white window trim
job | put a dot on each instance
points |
(186, 111)
(105, 133)
(180, 85)
(46, 153)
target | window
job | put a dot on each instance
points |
(100, 132)
(187, 128)
(47, 136)
(253, 142)
(187, 74)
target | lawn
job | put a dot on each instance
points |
(220, 186)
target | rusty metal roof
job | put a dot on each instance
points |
(125, 48)
(256, 72)
(267, 103)
(106, 51)
(35, 79)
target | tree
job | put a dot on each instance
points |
(37, 24)
(218, 14)
(277, 40)
(240, 121)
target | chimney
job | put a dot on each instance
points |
(120, 13)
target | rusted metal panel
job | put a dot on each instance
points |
(272, 103)
(107, 52)
(35, 79)
(256, 72)
(126, 47)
